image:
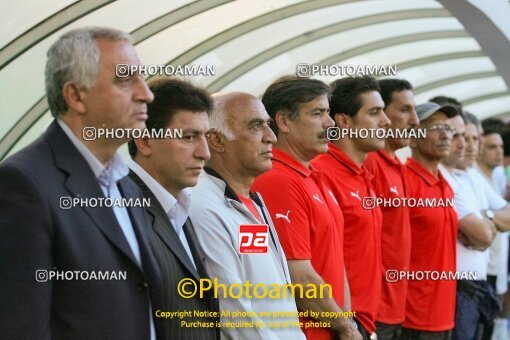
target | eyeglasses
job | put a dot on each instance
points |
(438, 128)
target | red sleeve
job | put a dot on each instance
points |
(283, 196)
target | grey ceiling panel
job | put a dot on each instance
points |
(47, 27)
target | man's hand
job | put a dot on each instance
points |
(494, 229)
(349, 332)
(463, 239)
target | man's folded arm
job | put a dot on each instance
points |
(478, 231)
(502, 218)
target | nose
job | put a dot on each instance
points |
(328, 121)
(413, 118)
(500, 151)
(445, 134)
(269, 137)
(202, 151)
(462, 143)
(469, 145)
(142, 93)
(385, 121)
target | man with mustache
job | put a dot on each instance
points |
(356, 105)
(226, 208)
(164, 168)
(305, 211)
(399, 106)
(430, 308)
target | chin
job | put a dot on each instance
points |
(379, 145)
(264, 168)
(402, 144)
(322, 148)
(138, 125)
(192, 183)
(443, 155)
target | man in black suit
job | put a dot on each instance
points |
(164, 168)
(70, 270)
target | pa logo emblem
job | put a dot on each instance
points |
(253, 238)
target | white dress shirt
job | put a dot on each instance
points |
(175, 208)
(498, 251)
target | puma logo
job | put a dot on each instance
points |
(333, 197)
(394, 190)
(355, 195)
(285, 217)
(316, 197)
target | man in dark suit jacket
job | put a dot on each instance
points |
(164, 168)
(68, 270)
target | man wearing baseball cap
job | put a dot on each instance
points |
(430, 308)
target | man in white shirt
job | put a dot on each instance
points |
(241, 143)
(164, 168)
(489, 166)
(476, 302)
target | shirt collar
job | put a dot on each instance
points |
(165, 199)
(449, 177)
(420, 170)
(116, 168)
(289, 161)
(392, 160)
(338, 154)
(459, 172)
(229, 192)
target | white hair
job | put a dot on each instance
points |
(217, 119)
(75, 57)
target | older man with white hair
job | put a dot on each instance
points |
(44, 237)
(225, 208)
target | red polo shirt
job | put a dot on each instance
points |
(396, 230)
(309, 224)
(430, 304)
(362, 231)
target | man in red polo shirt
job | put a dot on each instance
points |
(357, 107)
(305, 212)
(399, 106)
(430, 308)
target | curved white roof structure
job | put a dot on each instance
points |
(456, 48)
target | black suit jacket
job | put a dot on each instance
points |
(36, 234)
(175, 265)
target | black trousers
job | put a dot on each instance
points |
(364, 333)
(388, 332)
(413, 334)
(489, 327)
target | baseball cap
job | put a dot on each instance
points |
(426, 110)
